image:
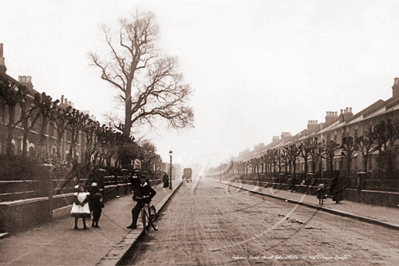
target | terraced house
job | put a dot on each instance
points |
(365, 142)
(26, 114)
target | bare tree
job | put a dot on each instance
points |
(293, 152)
(27, 110)
(305, 151)
(348, 146)
(45, 107)
(330, 148)
(366, 147)
(149, 83)
(12, 93)
(60, 121)
(76, 122)
(383, 136)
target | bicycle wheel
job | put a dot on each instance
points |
(153, 219)
(154, 224)
(143, 218)
(153, 213)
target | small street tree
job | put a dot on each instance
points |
(304, 152)
(89, 128)
(273, 154)
(148, 156)
(366, 148)
(293, 152)
(59, 122)
(12, 93)
(76, 121)
(149, 82)
(27, 113)
(348, 146)
(330, 149)
(384, 135)
(45, 107)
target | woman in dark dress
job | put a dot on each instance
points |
(337, 189)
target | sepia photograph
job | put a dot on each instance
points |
(188, 132)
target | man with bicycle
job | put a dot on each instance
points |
(142, 195)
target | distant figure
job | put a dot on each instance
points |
(291, 184)
(97, 209)
(165, 180)
(80, 206)
(321, 193)
(337, 189)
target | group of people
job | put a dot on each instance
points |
(336, 191)
(89, 203)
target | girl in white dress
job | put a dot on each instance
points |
(80, 206)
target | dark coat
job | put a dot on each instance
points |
(165, 180)
(144, 190)
(337, 189)
(321, 193)
(93, 191)
(134, 183)
(97, 204)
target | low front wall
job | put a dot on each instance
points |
(21, 214)
(27, 213)
(24, 214)
(372, 197)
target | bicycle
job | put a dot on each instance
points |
(149, 213)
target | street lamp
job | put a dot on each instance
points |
(170, 181)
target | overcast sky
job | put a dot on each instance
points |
(258, 68)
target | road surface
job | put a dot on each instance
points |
(208, 223)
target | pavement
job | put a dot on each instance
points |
(379, 215)
(57, 243)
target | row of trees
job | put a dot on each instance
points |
(150, 87)
(101, 141)
(378, 139)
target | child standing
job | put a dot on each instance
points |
(93, 190)
(321, 193)
(97, 206)
(80, 207)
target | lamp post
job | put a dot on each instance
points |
(170, 181)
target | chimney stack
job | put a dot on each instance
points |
(395, 88)
(312, 124)
(345, 114)
(26, 80)
(285, 135)
(3, 68)
(331, 116)
(276, 138)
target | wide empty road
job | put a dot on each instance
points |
(207, 223)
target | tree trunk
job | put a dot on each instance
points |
(128, 110)
(24, 144)
(10, 128)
